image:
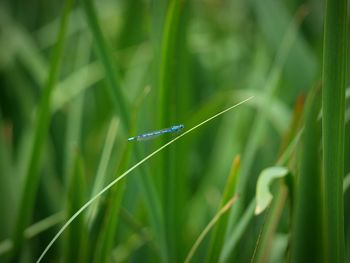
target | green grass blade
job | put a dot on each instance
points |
(113, 87)
(41, 128)
(220, 229)
(301, 65)
(27, 52)
(7, 185)
(120, 105)
(211, 224)
(74, 117)
(64, 93)
(307, 231)
(234, 238)
(75, 242)
(335, 62)
(105, 240)
(170, 94)
(107, 233)
(101, 178)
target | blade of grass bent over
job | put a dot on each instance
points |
(93, 199)
(266, 178)
(259, 125)
(242, 224)
(40, 134)
(262, 252)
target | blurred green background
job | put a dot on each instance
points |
(79, 77)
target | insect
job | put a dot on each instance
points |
(151, 135)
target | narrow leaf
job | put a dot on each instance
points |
(220, 229)
(75, 239)
(31, 179)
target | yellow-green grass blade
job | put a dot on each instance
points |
(266, 178)
(219, 231)
(108, 229)
(101, 174)
(234, 238)
(210, 225)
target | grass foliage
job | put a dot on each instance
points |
(80, 77)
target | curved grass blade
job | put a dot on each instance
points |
(105, 189)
